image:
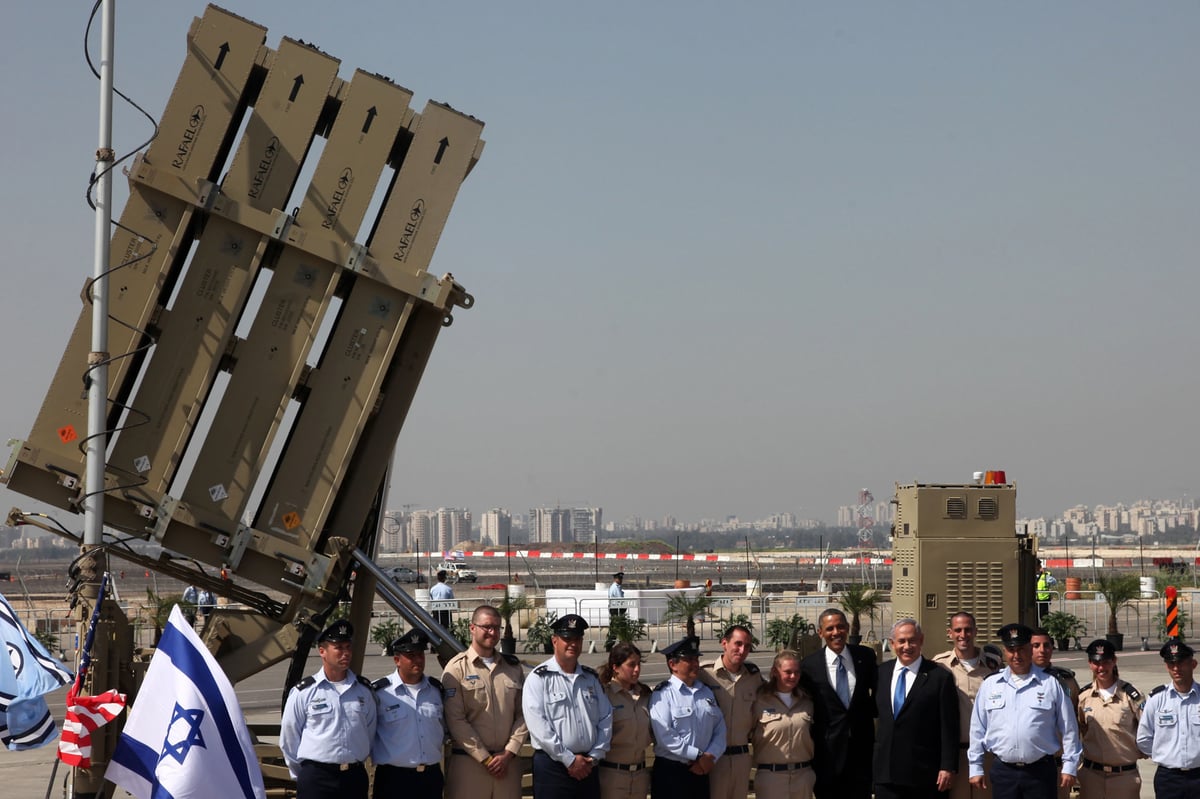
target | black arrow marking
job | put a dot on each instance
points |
(371, 112)
(296, 88)
(221, 57)
(442, 145)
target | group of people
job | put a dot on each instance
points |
(198, 599)
(835, 723)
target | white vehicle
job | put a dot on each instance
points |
(456, 572)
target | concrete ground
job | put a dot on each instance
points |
(25, 775)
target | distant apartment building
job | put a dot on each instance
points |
(453, 526)
(565, 525)
(495, 527)
(420, 533)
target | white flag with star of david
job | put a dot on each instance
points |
(186, 735)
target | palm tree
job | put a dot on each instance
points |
(1120, 590)
(858, 598)
(507, 607)
(681, 607)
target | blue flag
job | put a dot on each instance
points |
(186, 735)
(27, 674)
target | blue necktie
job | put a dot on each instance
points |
(898, 696)
(843, 683)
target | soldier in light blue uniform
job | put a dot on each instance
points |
(688, 727)
(1023, 716)
(328, 723)
(569, 718)
(407, 750)
(1169, 731)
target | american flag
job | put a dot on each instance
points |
(85, 714)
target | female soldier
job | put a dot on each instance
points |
(623, 773)
(783, 744)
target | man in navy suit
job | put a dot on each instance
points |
(841, 679)
(916, 748)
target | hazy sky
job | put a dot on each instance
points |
(732, 258)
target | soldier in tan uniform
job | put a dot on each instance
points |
(1109, 712)
(783, 742)
(483, 715)
(1043, 651)
(735, 684)
(623, 773)
(970, 665)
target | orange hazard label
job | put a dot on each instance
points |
(67, 434)
(291, 520)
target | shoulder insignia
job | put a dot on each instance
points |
(1087, 687)
(1061, 673)
(381, 683)
(511, 660)
(1158, 689)
(662, 685)
(590, 671)
(1132, 692)
(364, 681)
(437, 684)
(542, 670)
(750, 667)
(306, 683)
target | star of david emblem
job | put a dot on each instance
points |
(182, 734)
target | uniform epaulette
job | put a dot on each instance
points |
(590, 671)
(306, 683)
(1132, 692)
(1061, 673)
(382, 682)
(511, 660)
(437, 684)
(750, 667)
(1158, 689)
(1085, 688)
(364, 681)
(542, 670)
(662, 685)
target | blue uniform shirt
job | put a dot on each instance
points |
(411, 729)
(441, 591)
(327, 722)
(1020, 722)
(567, 716)
(1169, 731)
(686, 722)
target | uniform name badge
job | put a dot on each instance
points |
(995, 701)
(319, 707)
(1166, 719)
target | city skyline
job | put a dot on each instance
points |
(731, 259)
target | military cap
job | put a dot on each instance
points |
(687, 648)
(620, 575)
(412, 641)
(570, 626)
(1175, 650)
(1014, 635)
(338, 632)
(1101, 650)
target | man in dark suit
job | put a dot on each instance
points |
(841, 680)
(916, 748)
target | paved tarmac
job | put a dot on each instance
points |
(26, 775)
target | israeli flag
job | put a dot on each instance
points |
(186, 735)
(27, 674)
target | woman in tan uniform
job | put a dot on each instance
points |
(783, 743)
(623, 773)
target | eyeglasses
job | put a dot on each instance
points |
(491, 628)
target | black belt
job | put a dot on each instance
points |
(1094, 766)
(1038, 762)
(331, 766)
(783, 766)
(737, 750)
(623, 766)
(418, 769)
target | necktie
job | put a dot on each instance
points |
(843, 683)
(898, 696)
